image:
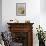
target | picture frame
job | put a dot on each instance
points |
(20, 9)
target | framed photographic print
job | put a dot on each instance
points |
(20, 9)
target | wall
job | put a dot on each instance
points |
(43, 6)
(0, 15)
(43, 14)
(33, 13)
(9, 11)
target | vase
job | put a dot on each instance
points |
(41, 43)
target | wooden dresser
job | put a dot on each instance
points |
(22, 33)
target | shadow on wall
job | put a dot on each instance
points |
(0, 15)
(43, 6)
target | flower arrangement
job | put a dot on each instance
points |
(40, 34)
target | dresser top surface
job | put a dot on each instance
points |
(19, 23)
